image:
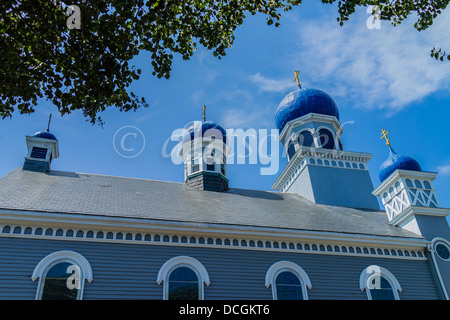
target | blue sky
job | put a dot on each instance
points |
(380, 78)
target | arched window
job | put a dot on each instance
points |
(61, 276)
(291, 149)
(305, 139)
(183, 284)
(326, 139)
(288, 286)
(183, 279)
(288, 280)
(379, 284)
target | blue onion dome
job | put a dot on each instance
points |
(207, 128)
(44, 135)
(302, 102)
(396, 161)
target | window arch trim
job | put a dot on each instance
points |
(368, 272)
(183, 261)
(59, 257)
(280, 266)
(75, 257)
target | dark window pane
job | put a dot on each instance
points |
(55, 284)
(306, 139)
(288, 286)
(183, 274)
(287, 278)
(291, 150)
(442, 251)
(183, 291)
(326, 139)
(285, 292)
(183, 284)
(384, 292)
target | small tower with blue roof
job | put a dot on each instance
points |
(204, 152)
(318, 168)
(407, 191)
(42, 148)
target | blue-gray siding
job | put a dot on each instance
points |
(129, 271)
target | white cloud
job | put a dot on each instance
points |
(270, 85)
(234, 118)
(444, 170)
(388, 68)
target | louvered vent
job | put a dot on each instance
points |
(39, 153)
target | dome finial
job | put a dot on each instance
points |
(384, 133)
(204, 113)
(296, 79)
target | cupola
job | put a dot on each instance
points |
(42, 149)
(204, 152)
(318, 168)
(407, 192)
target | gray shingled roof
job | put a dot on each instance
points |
(90, 194)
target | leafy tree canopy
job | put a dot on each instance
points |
(88, 69)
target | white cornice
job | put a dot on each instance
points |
(308, 118)
(402, 174)
(318, 153)
(56, 226)
(413, 210)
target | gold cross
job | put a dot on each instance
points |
(296, 79)
(384, 133)
(204, 113)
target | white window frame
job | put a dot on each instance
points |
(436, 242)
(41, 269)
(281, 266)
(182, 261)
(371, 271)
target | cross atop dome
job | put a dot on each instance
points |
(296, 79)
(395, 161)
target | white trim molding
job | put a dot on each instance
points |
(324, 243)
(281, 266)
(169, 264)
(77, 258)
(371, 271)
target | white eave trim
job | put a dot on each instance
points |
(402, 174)
(424, 211)
(310, 117)
(139, 225)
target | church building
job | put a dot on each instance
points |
(321, 233)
